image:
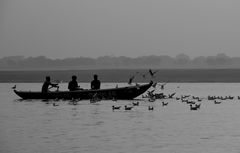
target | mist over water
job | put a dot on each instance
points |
(35, 126)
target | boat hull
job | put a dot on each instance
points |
(124, 93)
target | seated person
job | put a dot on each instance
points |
(73, 85)
(46, 84)
(95, 84)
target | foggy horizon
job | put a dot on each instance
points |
(114, 56)
(61, 29)
(183, 61)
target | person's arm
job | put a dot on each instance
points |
(69, 85)
(99, 84)
(92, 85)
(54, 84)
(77, 85)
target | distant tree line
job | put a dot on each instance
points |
(111, 62)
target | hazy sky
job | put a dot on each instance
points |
(93, 28)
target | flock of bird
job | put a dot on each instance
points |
(151, 96)
(193, 102)
(144, 75)
(135, 104)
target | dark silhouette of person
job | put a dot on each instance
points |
(95, 84)
(46, 84)
(73, 85)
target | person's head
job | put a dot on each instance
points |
(47, 78)
(74, 77)
(95, 76)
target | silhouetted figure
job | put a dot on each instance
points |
(73, 85)
(46, 84)
(95, 84)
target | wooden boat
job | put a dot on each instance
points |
(125, 93)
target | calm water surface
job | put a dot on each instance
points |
(37, 127)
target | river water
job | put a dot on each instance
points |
(35, 126)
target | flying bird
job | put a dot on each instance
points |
(164, 104)
(152, 73)
(14, 87)
(171, 95)
(150, 108)
(131, 79)
(154, 85)
(151, 92)
(162, 86)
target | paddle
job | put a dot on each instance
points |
(54, 86)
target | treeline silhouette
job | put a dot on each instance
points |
(110, 62)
